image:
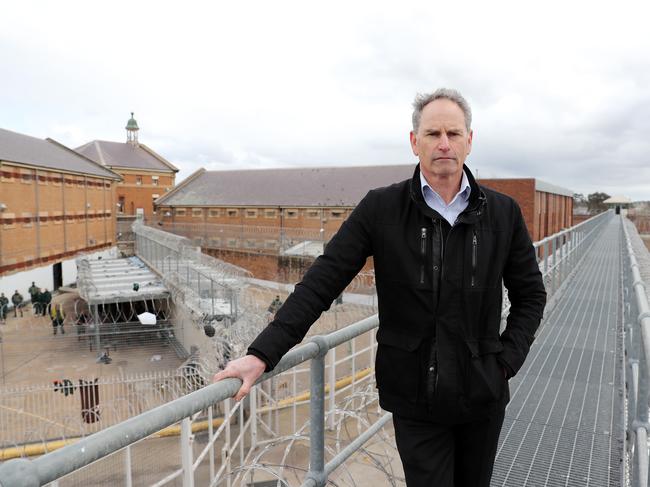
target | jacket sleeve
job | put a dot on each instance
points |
(343, 258)
(523, 280)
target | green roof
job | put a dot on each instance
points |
(132, 124)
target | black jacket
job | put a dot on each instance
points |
(440, 354)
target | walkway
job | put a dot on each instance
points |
(563, 424)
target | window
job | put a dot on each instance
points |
(291, 213)
(27, 220)
(271, 244)
(56, 181)
(232, 212)
(120, 204)
(26, 178)
(251, 243)
(215, 242)
(80, 183)
(179, 211)
(232, 242)
(154, 180)
(268, 213)
(251, 214)
(337, 214)
(138, 180)
(214, 212)
(197, 212)
(313, 214)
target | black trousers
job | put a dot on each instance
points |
(439, 455)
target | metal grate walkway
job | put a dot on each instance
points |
(563, 425)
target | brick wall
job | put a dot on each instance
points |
(52, 215)
(139, 188)
(544, 213)
(523, 191)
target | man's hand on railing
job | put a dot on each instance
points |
(248, 368)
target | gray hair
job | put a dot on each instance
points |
(423, 99)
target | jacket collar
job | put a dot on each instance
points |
(475, 207)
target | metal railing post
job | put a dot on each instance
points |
(128, 480)
(186, 452)
(317, 415)
(211, 441)
(253, 416)
(553, 281)
(332, 394)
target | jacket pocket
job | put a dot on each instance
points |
(397, 365)
(484, 378)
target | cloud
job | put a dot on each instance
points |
(559, 91)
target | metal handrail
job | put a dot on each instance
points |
(31, 473)
(638, 369)
(37, 472)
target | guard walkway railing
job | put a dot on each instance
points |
(637, 348)
(559, 255)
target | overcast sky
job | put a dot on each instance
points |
(560, 91)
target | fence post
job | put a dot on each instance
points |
(211, 440)
(317, 415)
(127, 467)
(332, 394)
(253, 416)
(186, 452)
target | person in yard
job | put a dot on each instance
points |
(17, 301)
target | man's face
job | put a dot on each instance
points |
(442, 142)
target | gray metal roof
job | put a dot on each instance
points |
(552, 188)
(123, 154)
(307, 186)
(48, 154)
(111, 281)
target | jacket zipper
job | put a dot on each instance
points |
(474, 257)
(423, 252)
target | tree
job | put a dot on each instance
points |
(579, 199)
(595, 202)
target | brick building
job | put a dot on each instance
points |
(146, 175)
(54, 204)
(547, 208)
(242, 215)
(286, 204)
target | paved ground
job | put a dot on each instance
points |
(31, 354)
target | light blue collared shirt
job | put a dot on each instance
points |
(448, 211)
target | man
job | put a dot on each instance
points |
(17, 301)
(273, 308)
(58, 317)
(34, 291)
(4, 303)
(45, 299)
(442, 245)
